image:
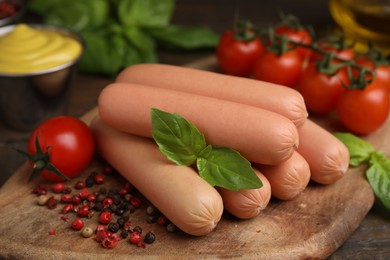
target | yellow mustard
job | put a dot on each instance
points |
(28, 49)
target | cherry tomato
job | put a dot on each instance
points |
(320, 91)
(346, 53)
(235, 56)
(364, 111)
(382, 71)
(300, 35)
(284, 69)
(69, 142)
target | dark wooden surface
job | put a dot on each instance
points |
(370, 241)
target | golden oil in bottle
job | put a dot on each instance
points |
(363, 21)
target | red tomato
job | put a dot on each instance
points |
(300, 35)
(70, 144)
(364, 111)
(236, 57)
(382, 71)
(282, 69)
(346, 53)
(320, 91)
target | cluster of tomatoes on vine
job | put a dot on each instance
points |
(329, 73)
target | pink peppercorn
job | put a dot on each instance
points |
(98, 179)
(136, 202)
(79, 185)
(66, 198)
(83, 194)
(58, 187)
(76, 200)
(67, 208)
(52, 202)
(83, 211)
(105, 217)
(77, 224)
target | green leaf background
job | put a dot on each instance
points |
(120, 33)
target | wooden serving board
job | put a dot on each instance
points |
(312, 226)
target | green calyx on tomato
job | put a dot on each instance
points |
(41, 161)
(244, 30)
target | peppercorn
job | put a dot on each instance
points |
(122, 192)
(162, 220)
(135, 238)
(121, 222)
(105, 218)
(98, 179)
(113, 207)
(151, 210)
(152, 219)
(77, 224)
(150, 237)
(83, 211)
(128, 197)
(67, 208)
(91, 198)
(42, 200)
(83, 194)
(66, 198)
(52, 232)
(119, 212)
(124, 234)
(76, 200)
(137, 229)
(40, 190)
(52, 202)
(87, 232)
(127, 226)
(58, 187)
(136, 202)
(89, 182)
(79, 185)
(128, 187)
(171, 227)
(113, 227)
(98, 206)
(107, 202)
(130, 208)
(103, 190)
(67, 190)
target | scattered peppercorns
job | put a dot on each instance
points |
(114, 206)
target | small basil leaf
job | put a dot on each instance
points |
(226, 168)
(359, 150)
(145, 13)
(178, 139)
(378, 175)
(176, 37)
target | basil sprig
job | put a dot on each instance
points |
(182, 143)
(378, 171)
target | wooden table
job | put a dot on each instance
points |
(370, 241)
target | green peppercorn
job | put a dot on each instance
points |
(171, 227)
(87, 232)
(151, 210)
(42, 199)
(150, 237)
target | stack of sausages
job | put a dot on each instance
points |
(266, 123)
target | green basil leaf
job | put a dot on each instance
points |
(107, 53)
(73, 14)
(145, 13)
(359, 150)
(144, 44)
(178, 139)
(175, 37)
(378, 175)
(226, 168)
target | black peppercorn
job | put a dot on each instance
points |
(137, 229)
(119, 212)
(113, 227)
(152, 219)
(150, 237)
(103, 190)
(121, 222)
(130, 208)
(98, 206)
(124, 234)
(89, 182)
